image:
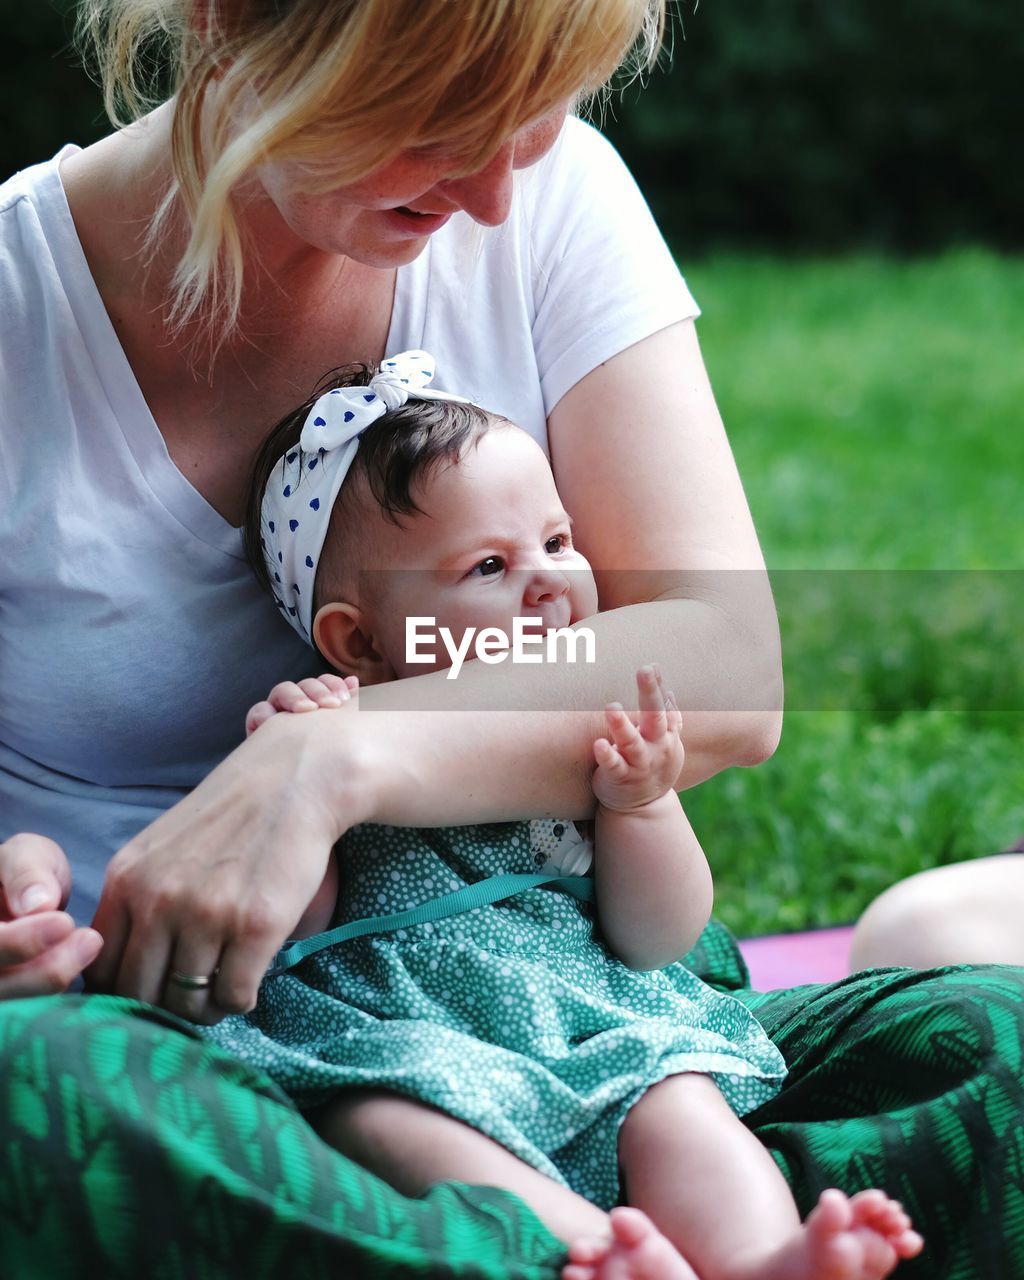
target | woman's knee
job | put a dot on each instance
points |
(968, 913)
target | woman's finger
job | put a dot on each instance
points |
(653, 722)
(34, 875)
(191, 980)
(24, 939)
(111, 922)
(244, 962)
(144, 963)
(53, 969)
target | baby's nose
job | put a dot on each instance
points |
(547, 584)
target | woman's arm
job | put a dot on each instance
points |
(644, 467)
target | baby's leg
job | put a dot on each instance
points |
(411, 1146)
(715, 1192)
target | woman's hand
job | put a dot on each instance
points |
(212, 889)
(41, 951)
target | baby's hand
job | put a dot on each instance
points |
(642, 756)
(328, 690)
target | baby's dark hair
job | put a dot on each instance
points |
(402, 448)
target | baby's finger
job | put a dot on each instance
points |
(325, 691)
(609, 759)
(624, 734)
(674, 715)
(257, 715)
(653, 722)
(287, 696)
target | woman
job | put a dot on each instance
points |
(204, 357)
(325, 164)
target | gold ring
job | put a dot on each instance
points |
(191, 981)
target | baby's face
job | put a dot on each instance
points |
(493, 543)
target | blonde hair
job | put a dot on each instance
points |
(343, 86)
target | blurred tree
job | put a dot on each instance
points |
(818, 125)
(823, 124)
(46, 98)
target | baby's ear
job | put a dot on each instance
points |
(340, 633)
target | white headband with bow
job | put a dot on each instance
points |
(303, 486)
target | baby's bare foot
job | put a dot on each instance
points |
(635, 1250)
(858, 1238)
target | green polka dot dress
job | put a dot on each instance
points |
(512, 1017)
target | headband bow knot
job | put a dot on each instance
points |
(303, 486)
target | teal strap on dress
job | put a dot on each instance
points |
(481, 894)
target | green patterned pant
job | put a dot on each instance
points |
(132, 1149)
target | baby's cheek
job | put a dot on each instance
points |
(584, 592)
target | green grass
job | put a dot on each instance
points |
(875, 406)
(875, 409)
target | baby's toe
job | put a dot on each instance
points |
(871, 1203)
(832, 1213)
(588, 1250)
(838, 1258)
(631, 1226)
(908, 1244)
(574, 1271)
(877, 1211)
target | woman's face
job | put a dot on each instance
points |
(385, 219)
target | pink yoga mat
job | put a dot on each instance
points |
(788, 959)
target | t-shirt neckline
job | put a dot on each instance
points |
(141, 432)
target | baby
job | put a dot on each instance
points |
(533, 1043)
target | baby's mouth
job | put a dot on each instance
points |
(549, 621)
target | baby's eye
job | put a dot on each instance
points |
(557, 543)
(489, 567)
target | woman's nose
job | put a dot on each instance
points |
(486, 194)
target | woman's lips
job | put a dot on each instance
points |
(413, 223)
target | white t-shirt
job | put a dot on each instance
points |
(132, 635)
